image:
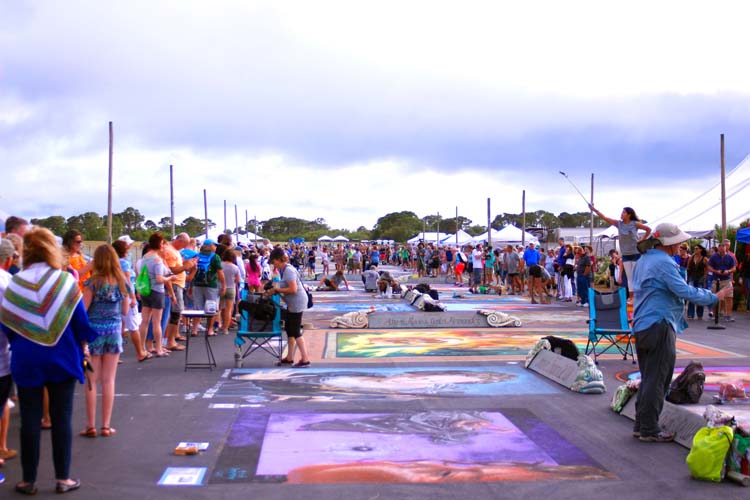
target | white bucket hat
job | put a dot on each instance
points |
(669, 234)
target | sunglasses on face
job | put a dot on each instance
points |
(78, 242)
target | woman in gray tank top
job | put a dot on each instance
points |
(627, 227)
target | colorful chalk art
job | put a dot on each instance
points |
(511, 344)
(399, 447)
(338, 385)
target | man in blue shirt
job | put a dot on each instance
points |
(722, 264)
(659, 292)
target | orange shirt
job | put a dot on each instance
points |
(172, 258)
(77, 262)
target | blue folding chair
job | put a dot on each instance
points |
(258, 334)
(608, 324)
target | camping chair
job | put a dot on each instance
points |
(261, 335)
(608, 324)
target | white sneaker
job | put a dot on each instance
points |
(201, 328)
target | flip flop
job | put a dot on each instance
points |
(176, 348)
(89, 432)
(146, 357)
(163, 354)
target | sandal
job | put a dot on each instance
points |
(108, 431)
(162, 354)
(146, 357)
(176, 347)
(89, 432)
(180, 338)
(284, 361)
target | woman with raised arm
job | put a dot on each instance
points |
(627, 226)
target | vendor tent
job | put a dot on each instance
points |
(743, 235)
(325, 238)
(462, 237)
(509, 235)
(340, 238)
(427, 237)
(610, 232)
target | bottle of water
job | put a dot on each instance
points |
(276, 278)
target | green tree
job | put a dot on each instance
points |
(475, 230)
(131, 220)
(165, 224)
(398, 226)
(55, 223)
(194, 226)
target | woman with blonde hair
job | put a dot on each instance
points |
(52, 357)
(106, 299)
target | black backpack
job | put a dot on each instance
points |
(688, 386)
(262, 310)
(564, 347)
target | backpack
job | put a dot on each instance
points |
(261, 310)
(707, 457)
(202, 267)
(688, 386)
(143, 282)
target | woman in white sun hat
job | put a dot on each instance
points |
(658, 315)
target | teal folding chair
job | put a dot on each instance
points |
(259, 335)
(608, 324)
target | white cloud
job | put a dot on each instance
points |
(426, 104)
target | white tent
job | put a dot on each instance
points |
(214, 234)
(463, 238)
(610, 232)
(508, 235)
(485, 236)
(325, 238)
(341, 237)
(428, 237)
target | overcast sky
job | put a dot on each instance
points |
(350, 110)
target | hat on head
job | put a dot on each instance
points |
(666, 234)
(188, 253)
(669, 234)
(127, 239)
(6, 250)
(209, 241)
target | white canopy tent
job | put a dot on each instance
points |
(428, 237)
(325, 238)
(610, 232)
(247, 238)
(462, 236)
(340, 237)
(509, 235)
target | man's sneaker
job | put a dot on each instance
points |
(662, 437)
(201, 328)
(729, 319)
(710, 315)
(636, 434)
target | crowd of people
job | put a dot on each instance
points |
(93, 304)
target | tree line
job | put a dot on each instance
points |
(397, 226)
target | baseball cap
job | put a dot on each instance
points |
(209, 241)
(127, 239)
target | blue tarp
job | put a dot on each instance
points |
(743, 235)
